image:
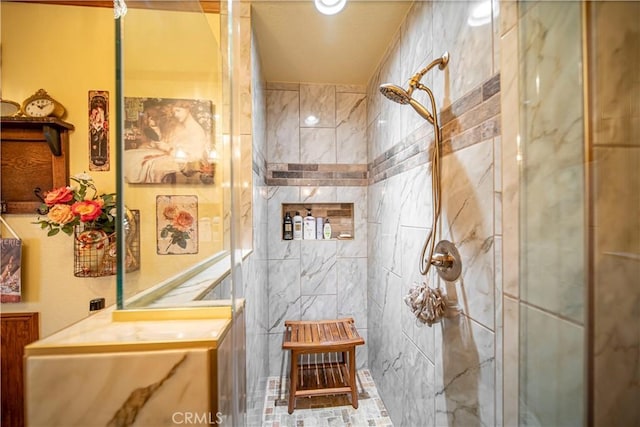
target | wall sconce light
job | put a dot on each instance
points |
(330, 7)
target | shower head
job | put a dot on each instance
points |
(395, 93)
(401, 96)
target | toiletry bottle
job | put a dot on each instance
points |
(297, 227)
(309, 226)
(327, 229)
(319, 224)
(287, 227)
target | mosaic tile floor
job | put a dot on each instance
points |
(325, 411)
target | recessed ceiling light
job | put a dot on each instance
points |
(330, 7)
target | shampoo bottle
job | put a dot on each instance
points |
(319, 225)
(287, 227)
(309, 226)
(327, 229)
(297, 227)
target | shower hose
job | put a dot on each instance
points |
(426, 303)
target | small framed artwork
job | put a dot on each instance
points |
(177, 225)
(169, 141)
(99, 130)
(10, 271)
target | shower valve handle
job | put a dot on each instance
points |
(442, 260)
(447, 261)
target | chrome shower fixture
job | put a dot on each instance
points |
(397, 94)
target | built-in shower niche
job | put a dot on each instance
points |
(340, 217)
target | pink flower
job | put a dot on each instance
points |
(88, 209)
(58, 196)
(183, 221)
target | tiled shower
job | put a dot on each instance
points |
(469, 369)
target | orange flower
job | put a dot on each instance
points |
(87, 209)
(183, 221)
(170, 212)
(58, 195)
(60, 214)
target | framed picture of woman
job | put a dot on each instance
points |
(169, 141)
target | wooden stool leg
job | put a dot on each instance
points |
(352, 377)
(293, 380)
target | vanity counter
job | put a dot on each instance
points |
(110, 330)
(150, 367)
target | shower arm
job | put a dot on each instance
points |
(441, 62)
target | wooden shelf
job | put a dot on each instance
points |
(34, 154)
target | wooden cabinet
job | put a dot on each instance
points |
(18, 330)
(34, 155)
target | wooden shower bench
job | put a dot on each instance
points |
(322, 377)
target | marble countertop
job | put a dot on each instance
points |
(100, 333)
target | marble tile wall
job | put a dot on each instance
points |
(448, 374)
(616, 195)
(316, 152)
(316, 124)
(254, 266)
(315, 279)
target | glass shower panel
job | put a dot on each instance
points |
(174, 168)
(615, 317)
(553, 240)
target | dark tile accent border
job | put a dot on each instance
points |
(315, 174)
(473, 118)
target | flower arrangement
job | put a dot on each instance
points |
(67, 207)
(180, 226)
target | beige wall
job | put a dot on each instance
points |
(68, 51)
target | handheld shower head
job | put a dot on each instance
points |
(401, 96)
(395, 93)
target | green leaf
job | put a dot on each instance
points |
(53, 232)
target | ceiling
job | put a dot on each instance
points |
(297, 43)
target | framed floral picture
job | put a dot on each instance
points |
(10, 271)
(177, 225)
(99, 159)
(169, 141)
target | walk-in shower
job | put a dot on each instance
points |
(429, 304)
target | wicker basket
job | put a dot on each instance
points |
(95, 251)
